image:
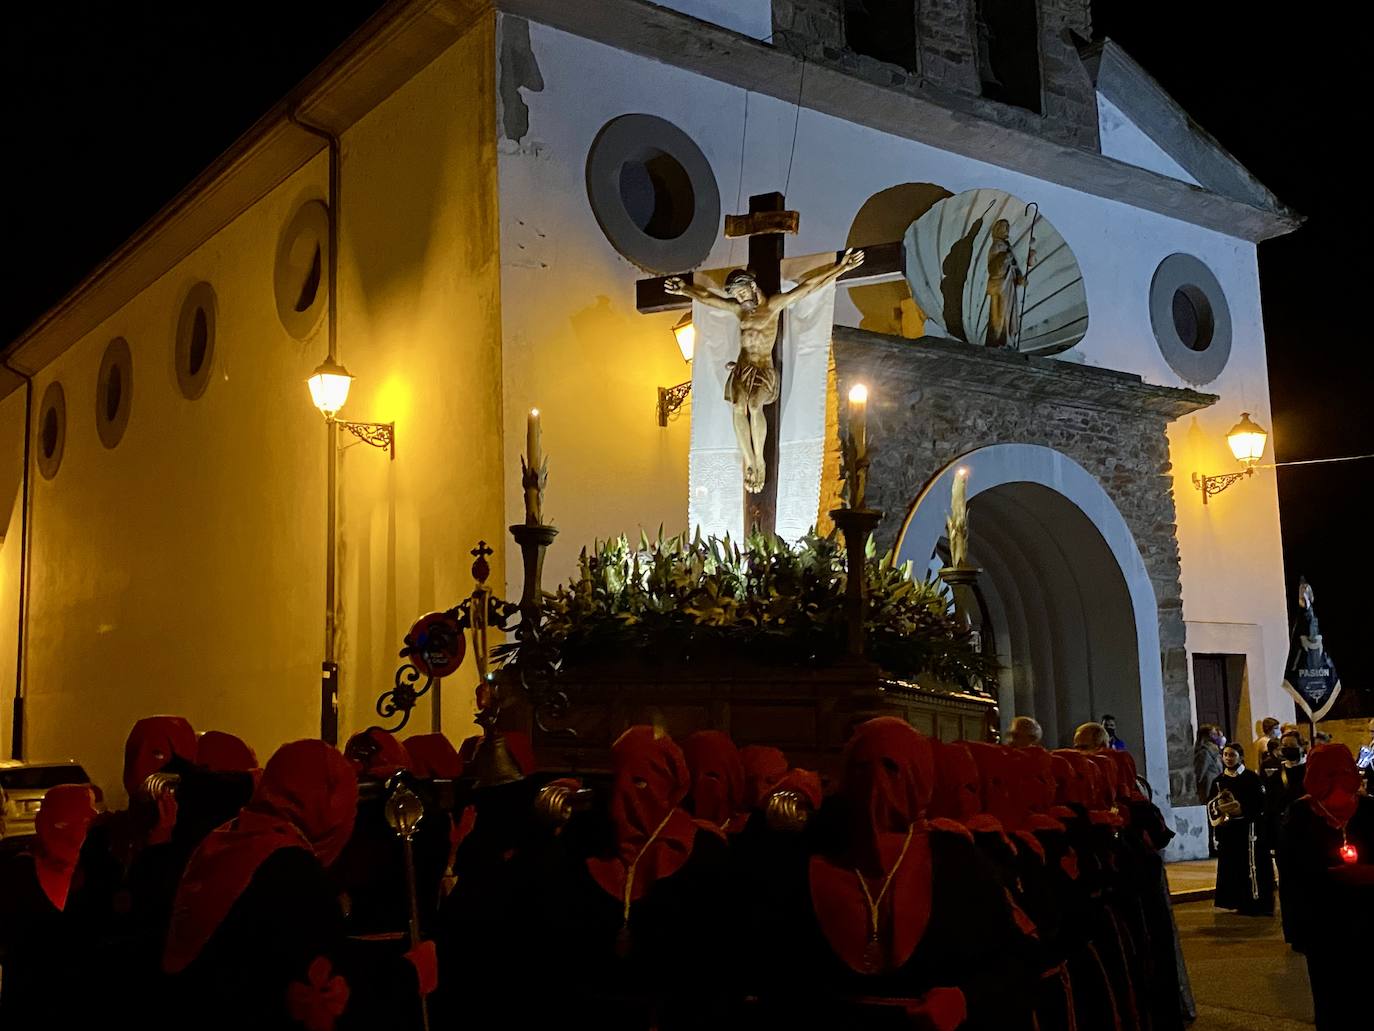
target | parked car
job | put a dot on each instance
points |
(22, 787)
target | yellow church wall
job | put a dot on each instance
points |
(183, 570)
(421, 330)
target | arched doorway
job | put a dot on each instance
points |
(1070, 609)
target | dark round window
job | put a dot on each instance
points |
(200, 340)
(310, 285)
(52, 430)
(657, 194)
(653, 193)
(114, 392)
(1193, 318)
(298, 278)
(1190, 318)
(194, 353)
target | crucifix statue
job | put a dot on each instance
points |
(754, 295)
(754, 380)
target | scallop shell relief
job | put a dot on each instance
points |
(947, 269)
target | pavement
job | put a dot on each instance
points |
(1192, 880)
(1244, 977)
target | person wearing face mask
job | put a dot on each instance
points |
(1283, 784)
(1245, 875)
(38, 936)
(1326, 866)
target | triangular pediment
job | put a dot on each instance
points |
(1142, 125)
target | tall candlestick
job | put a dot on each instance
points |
(858, 419)
(533, 458)
(857, 446)
(532, 478)
(956, 529)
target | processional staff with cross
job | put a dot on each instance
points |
(755, 297)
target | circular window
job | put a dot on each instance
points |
(52, 430)
(194, 354)
(300, 279)
(1190, 317)
(653, 193)
(114, 392)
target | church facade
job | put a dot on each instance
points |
(507, 173)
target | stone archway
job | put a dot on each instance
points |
(1073, 613)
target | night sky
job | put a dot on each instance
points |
(112, 108)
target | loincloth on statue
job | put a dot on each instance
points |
(755, 384)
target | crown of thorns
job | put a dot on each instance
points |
(740, 275)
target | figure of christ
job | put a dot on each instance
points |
(753, 381)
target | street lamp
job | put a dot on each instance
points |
(329, 385)
(1246, 440)
(670, 399)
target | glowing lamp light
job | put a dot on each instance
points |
(858, 394)
(1247, 439)
(329, 385)
(1348, 853)
(686, 336)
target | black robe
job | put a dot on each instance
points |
(972, 942)
(287, 917)
(1327, 905)
(1245, 872)
(41, 947)
(542, 938)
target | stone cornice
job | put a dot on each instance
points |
(932, 116)
(902, 363)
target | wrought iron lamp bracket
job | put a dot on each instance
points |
(377, 434)
(1211, 485)
(671, 399)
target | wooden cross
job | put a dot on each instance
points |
(764, 226)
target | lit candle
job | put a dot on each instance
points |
(958, 502)
(858, 419)
(533, 458)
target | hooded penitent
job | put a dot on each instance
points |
(60, 827)
(958, 793)
(153, 743)
(764, 768)
(653, 835)
(716, 796)
(225, 753)
(376, 753)
(873, 901)
(433, 756)
(1333, 783)
(307, 798)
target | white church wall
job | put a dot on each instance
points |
(566, 340)
(1124, 140)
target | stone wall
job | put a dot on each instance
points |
(934, 400)
(947, 64)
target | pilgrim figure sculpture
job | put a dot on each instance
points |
(753, 380)
(1006, 282)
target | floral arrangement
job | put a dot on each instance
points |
(675, 599)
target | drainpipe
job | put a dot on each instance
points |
(329, 668)
(17, 725)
